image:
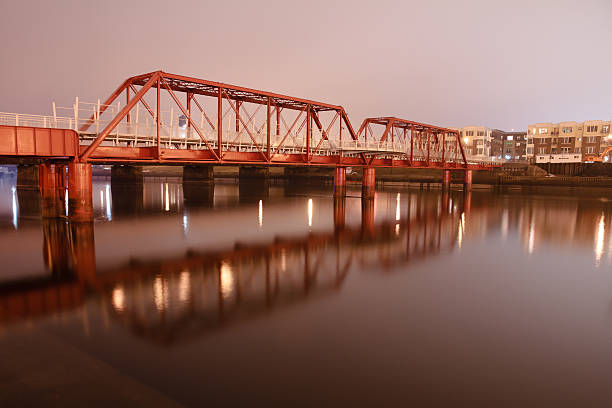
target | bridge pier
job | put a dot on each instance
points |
(446, 179)
(253, 172)
(200, 174)
(80, 204)
(27, 176)
(126, 173)
(467, 180)
(52, 181)
(368, 182)
(340, 181)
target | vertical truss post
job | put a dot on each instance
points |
(411, 142)
(443, 147)
(220, 122)
(308, 132)
(428, 144)
(238, 103)
(278, 118)
(268, 128)
(127, 100)
(157, 123)
(189, 95)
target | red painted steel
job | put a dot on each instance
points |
(425, 145)
(80, 206)
(38, 142)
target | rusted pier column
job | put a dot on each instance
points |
(83, 251)
(339, 212)
(80, 206)
(52, 180)
(467, 181)
(368, 182)
(200, 174)
(340, 181)
(446, 179)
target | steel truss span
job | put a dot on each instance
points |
(166, 118)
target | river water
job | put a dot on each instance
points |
(253, 294)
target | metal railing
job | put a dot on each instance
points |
(144, 134)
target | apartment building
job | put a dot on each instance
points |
(576, 139)
(510, 146)
(476, 141)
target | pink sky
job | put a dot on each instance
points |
(453, 63)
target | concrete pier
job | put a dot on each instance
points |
(198, 174)
(52, 182)
(126, 173)
(253, 172)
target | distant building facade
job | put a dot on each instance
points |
(476, 141)
(568, 141)
(512, 145)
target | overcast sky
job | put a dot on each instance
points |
(453, 63)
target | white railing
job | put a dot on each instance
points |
(173, 136)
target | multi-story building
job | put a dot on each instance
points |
(575, 140)
(476, 141)
(512, 145)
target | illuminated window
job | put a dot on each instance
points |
(605, 128)
(510, 138)
(566, 130)
(543, 131)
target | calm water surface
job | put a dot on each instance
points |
(281, 295)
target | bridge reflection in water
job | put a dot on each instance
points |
(178, 297)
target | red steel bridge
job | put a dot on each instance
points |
(163, 118)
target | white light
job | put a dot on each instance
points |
(397, 207)
(531, 244)
(465, 140)
(397, 229)
(226, 279)
(260, 214)
(167, 198)
(599, 239)
(109, 211)
(310, 212)
(118, 299)
(15, 207)
(184, 287)
(185, 224)
(160, 293)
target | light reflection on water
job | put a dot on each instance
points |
(471, 281)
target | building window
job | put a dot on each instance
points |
(510, 137)
(542, 150)
(591, 139)
(591, 128)
(479, 151)
(565, 150)
(566, 140)
(530, 150)
(590, 149)
(530, 140)
(469, 133)
(543, 131)
(605, 128)
(566, 130)
(577, 150)
(480, 133)
(479, 142)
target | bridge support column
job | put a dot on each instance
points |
(52, 181)
(80, 205)
(251, 172)
(467, 180)
(446, 179)
(368, 182)
(340, 181)
(27, 176)
(200, 174)
(126, 173)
